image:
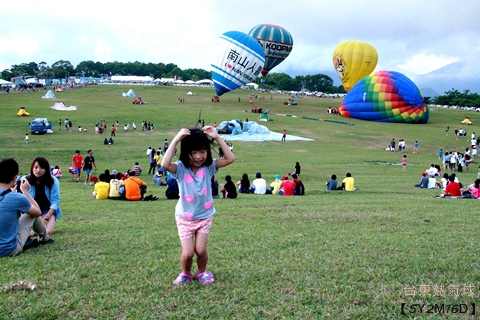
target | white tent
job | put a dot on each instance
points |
(5, 83)
(189, 82)
(251, 84)
(204, 81)
(49, 95)
(130, 93)
(131, 79)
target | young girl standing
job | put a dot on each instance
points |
(404, 163)
(194, 210)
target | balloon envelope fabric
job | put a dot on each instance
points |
(385, 96)
(353, 60)
(277, 44)
(239, 60)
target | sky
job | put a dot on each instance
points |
(413, 37)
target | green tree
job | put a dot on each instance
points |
(282, 81)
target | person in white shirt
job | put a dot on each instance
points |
(259, 185)
(432, 171)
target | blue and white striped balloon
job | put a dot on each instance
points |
(239, 60)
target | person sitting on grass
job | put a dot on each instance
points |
(158, 178)
(135, 188)
(115, 185)
(423, 181)
(228, 189)
(259, 185)
(473, 190)
(287, 187)
(15, 227)
(452, 189)
(275, 185)
(348, 184)
(299, 187)
(102, 188)
(332, 183)
(244, 184)
(56, 172)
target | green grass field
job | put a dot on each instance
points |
(327, 255)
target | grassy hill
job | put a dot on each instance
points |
(325, 255)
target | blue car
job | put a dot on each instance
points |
(40, 126)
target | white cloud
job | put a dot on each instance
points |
(424, 63)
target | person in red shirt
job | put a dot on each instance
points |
(77, 161)
(452, 189)
(287, 187)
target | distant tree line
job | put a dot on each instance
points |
(456, 98)
(64, 69)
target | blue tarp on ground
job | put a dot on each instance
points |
(236, 130)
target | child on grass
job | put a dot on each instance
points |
(194, 210)
(404, 163)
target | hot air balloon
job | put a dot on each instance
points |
(239, 60)
(277, 44)
(353, 60)
(385, 96)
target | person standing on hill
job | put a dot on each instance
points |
(112, 134)
(194, 210)
(88, 164)
(404, 163)
(415, 147)
(77, 161)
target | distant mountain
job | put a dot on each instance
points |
(456, 76)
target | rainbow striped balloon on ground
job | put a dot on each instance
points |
(239, 60)
(277, 44)
(385, 96)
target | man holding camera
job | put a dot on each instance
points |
(15, 227)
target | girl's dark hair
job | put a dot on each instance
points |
(245, 183)
(477, 183)
(46, 179)
(196, 141)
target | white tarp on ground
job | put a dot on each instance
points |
(49, 95)
(61, 106)
(251, 131)
(130, 93)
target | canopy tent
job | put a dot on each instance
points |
(49, 95)
(204, 81)
(131, 79)
(5, 83)
(253, 85)
(130, 93)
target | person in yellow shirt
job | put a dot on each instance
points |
(158, 158)
(275, 185)
(348, 184)
(102, 188)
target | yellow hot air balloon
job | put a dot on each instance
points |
(354, 60)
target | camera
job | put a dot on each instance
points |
(19, 183)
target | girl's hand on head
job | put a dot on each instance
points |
(182, 134)
(210, 131)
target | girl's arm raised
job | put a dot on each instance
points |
(167, 163)
(228, 156)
